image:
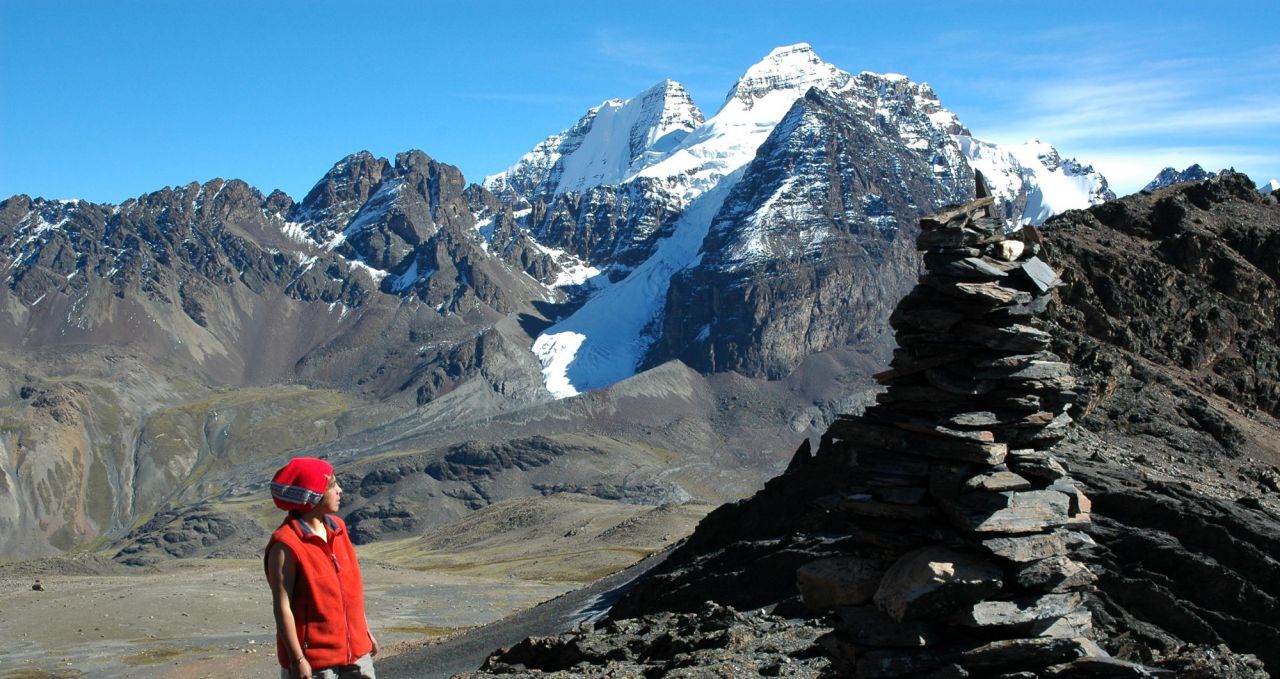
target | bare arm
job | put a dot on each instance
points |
(282, 572)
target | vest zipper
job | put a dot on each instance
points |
(342, 594)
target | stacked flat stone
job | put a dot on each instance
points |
(966, 523)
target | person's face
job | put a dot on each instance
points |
(332, 498)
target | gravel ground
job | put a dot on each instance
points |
(212, 618)
(465, 652)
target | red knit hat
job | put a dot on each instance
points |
(299, 485)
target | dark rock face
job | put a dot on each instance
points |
(618, 224)
(198, 271)
(474, 462)
(343, 189)
(1169, 312)
(410, 494)
(1180, 567)
(715, 641)
(374, 522)
(507, 239)
(198, 531)
(1179, 571)
(1170, 176)
(1186, 278)
(467, 471)
(828, 205)
(414, 220)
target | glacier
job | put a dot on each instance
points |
(605, 339)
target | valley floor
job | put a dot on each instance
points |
(212, 618)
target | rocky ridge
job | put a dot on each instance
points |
(1170, 176)
(210, 286)
(1161, 531)
(201, 274)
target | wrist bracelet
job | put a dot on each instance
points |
(299, 660)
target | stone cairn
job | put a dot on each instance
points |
(967, 522)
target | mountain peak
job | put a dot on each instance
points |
(349, 182)
(797, 53)
(667, 85)
(795, 67)
(1170, 176)
(613, 140)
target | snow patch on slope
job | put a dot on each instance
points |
(484, 229)
(376, 208)
(573, 271)
(604, 340)
(1034, 170)
(296, 232)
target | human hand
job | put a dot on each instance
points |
(301, 670)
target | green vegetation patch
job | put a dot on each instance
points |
(99, 497)
(582, 566)
(431, 631)
(154, 656)
(191, 439)
(12, 421)
(42, 673)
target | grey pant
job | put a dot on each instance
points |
(363, 669)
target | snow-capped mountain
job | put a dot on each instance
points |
(1270, 187)
(1032, 181)
(774, 229)
(611, 334)
(814, 231)
(866, 154)
(1170, 176)
(756, 103)
(774, 235)
(611, 142)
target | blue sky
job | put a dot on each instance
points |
(109, 100)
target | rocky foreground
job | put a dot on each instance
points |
(1142, 545)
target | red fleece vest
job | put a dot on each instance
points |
(327, 598)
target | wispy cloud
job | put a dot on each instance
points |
(1130, 115)
(1126, 107)
(696, 64)
(656, 56)
(1129, 169)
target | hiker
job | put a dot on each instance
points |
(316, 591)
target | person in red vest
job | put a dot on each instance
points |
(316, 591)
